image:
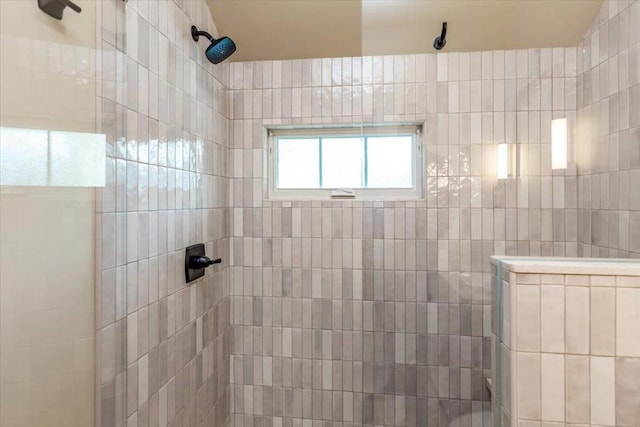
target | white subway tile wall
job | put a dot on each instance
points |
(608, 133)
(163, 347)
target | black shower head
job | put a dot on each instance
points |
(219, 49)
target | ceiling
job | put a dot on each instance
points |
(293, 29)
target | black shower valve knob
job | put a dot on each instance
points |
(201, 261)
(195, 262)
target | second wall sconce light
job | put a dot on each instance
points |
(506, 160)
(503, 161)
(559, 143)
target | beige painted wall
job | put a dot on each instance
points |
(285, 29)
(47, 237)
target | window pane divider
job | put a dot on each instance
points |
(366, 162)
(320, 161)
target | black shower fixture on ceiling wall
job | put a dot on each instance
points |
(441, 40)
(55, 8)
(219, 49)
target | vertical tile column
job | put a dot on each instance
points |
(164, 346)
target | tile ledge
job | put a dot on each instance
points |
(559, 265)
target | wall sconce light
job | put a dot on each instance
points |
(503, 161)
(559, 143)
(507, 160)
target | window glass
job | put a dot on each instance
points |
(390, 162)
(342, 162)
(298, 163)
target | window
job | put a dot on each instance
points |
(38, 157)
(371, 163)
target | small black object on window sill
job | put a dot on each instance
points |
(54, 8)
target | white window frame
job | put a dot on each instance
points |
(413, 129)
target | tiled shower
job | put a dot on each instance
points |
(379, 312)
(337, 312)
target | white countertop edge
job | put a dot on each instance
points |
(560, 265)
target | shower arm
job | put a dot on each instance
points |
(55, 8)
(71, 5)
(443, 35)
(441, 41)
(195, 34)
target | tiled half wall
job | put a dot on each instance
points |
(570, 353)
